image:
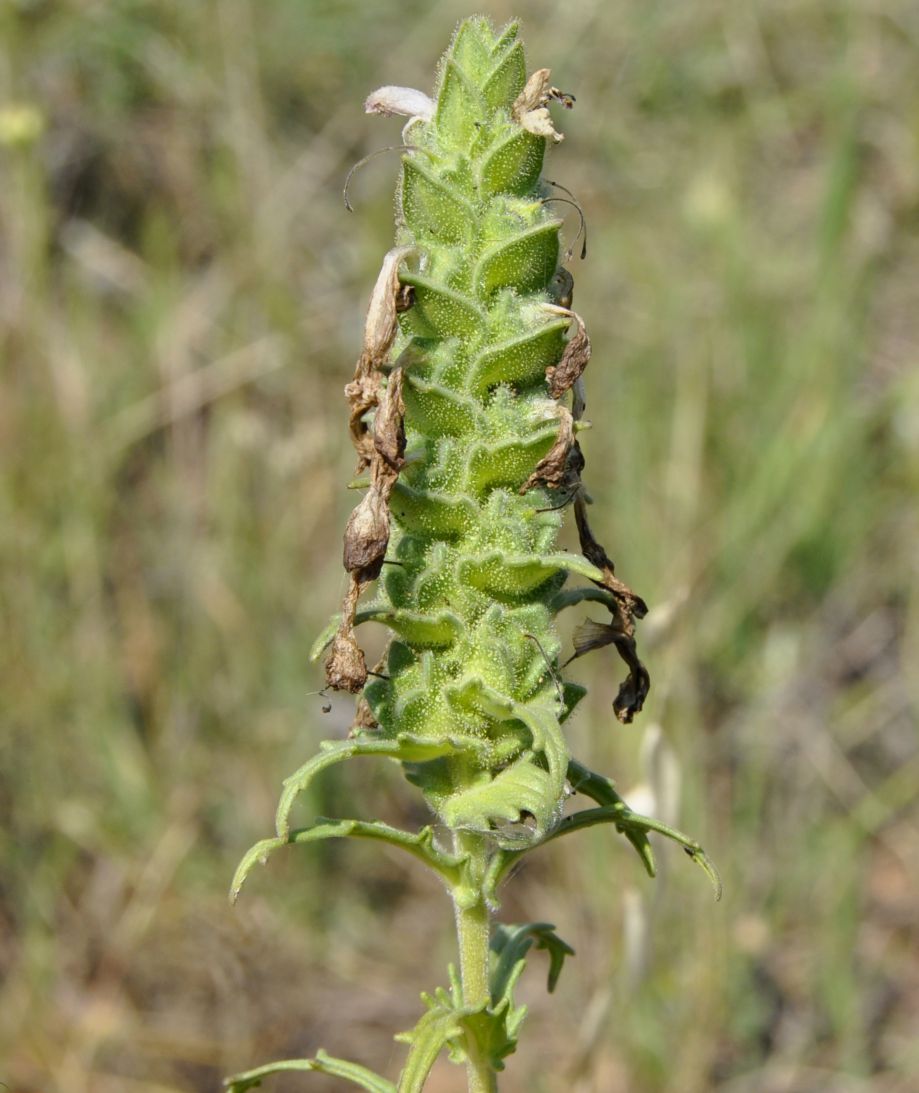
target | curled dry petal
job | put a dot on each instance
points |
(529, 108)
(346, 669)
(562, 377)
(634, 689)
(367, 532)
(388, 299)
(389, 435)
(406, 101)
(590, 635)
(362, 395)
(594, 553)
(554, 469)
(534, 94)
(626, 607)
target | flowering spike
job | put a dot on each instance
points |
(460, 409)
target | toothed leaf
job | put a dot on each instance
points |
(322, 1064)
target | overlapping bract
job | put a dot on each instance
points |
(459, 417)
(471, 565)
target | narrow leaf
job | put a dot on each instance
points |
(404, 748)
(420, 845)
(322, 1063)
(434, 1031)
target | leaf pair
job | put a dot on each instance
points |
(490, 1031)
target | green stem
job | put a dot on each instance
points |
(473, 932)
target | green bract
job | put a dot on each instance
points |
(465, 407)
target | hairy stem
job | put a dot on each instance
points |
(473, 933)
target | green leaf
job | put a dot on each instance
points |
(570, 597)
(514, 165)
(614, 810)
(471, 46)
(421, 630)
(441, 311)
(404, 747)
(509, 462)
(459, 107)
(330, 754)
(526, 262)
(438, 1028)
(522, 787)
(450, 1025)
(436, 410)
(508, 35)
(432, 207)
(511, 944)
(525, 786)
(496, 1028)
(473, 693)
(506, 80)
(441, 514)
(572, 693)
(521, 360)
(495, 1032)
(419, 845)
(417, 628)
(502, 575)
(322, 1064)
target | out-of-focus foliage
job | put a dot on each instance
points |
(181, 297)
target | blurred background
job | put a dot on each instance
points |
(181, 300)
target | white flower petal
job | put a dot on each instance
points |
(406, 101)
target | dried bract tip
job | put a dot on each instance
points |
(554, 469)
(632, 691)
(589, 635)
(625, 608)
(562, 377)
(406, 101)
(389, 435)
(529, 109)
(367, 536)
(388, 299)
(346, 669)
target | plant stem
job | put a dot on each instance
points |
(473, 933)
